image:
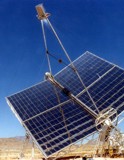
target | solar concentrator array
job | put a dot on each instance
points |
(108, 91)
(55, 121)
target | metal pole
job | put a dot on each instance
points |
(32, 154)
(69, 94)
(46, 48)
(73, 67)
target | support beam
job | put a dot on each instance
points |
(70, 95)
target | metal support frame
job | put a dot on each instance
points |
(70, 95)
(42, 15)
(109, 134)
(103, 118)
(25, 142)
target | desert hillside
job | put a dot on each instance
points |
(11, 148)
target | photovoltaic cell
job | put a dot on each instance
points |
(89, 67)
(55, 121)
(56, 136)
(108, 91)
(36, 99)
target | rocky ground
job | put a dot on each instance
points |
(11, 148)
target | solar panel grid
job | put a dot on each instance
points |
(84, 64)
(57, 129)
(70, 83)
(107, 90)
(77, 137)
(56, 126)
(119, 104)
(36, 100)
(93, 65)
(109, 86)
(115, 92)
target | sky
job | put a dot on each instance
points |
(96, 26)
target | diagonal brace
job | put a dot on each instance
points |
(70, 95)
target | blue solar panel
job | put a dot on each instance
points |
(36, 99)
(89, 67)
(55, 121)
(56, 136)
(107, 92)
